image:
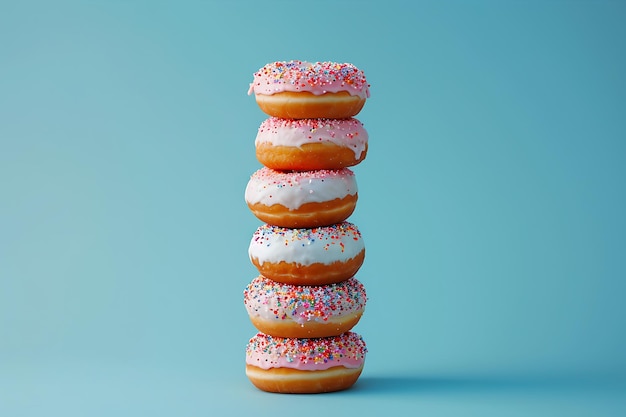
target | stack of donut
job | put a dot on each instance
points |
(306, 299)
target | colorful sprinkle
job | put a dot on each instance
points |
(306, 76)
(281, 179)
(348, 347)
(300, 303)
(325, 235)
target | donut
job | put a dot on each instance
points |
(310, 144)
(316, 256)
(304, 311)
(305, 90)
(303, 199)
(305, 366)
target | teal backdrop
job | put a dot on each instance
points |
(492, 204)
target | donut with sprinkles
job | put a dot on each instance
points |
(310, 144)
(300, 89)
(317, 256)
(303, 199)
(305, 366)
(304, 311)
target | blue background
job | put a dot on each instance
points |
(492, 204)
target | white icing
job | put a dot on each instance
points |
(293, 189)
(337, 243)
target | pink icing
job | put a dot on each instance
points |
(348, 133)
(292, 178)
(267, 352)
(301, 303)
(317, 78)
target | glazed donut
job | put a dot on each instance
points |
(305, 90)
(304, 311)
(305, 366)
(317, 256)
(302, 199)
(310, 144)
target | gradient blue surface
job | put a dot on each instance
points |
(492, 204)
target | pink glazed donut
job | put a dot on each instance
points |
(305, 90)
(305, 366)
(310, 144)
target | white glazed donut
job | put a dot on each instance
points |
(302, 199)
(317, 256)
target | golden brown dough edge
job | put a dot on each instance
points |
(293, 381)
(308, 157)
(313, 274)
(306, 105)
(307, 215)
